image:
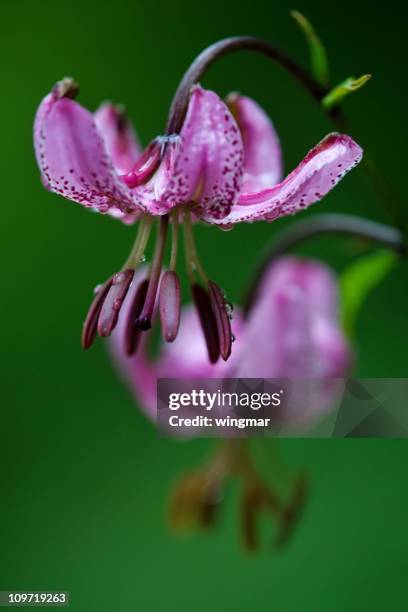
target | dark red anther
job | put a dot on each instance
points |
(146, 165)
(207, 320)
(170, 305)
(132, 332)
(223, 322)
(113, 302)
(144, 321)
(91, 322)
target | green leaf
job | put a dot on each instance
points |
(318, 56)
(359, 280)
(336, 95)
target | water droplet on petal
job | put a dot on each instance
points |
(227, 227)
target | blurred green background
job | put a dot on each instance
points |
(84, 477)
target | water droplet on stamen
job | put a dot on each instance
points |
(229, 308)
(97, 289)
(142, 259)
(118, 278)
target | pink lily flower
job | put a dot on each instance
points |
(225, 164)
(224, 167)
(291, 332)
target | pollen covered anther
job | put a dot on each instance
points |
(132, 332)
(91, 322)
(113, 302)
(221, 310)
(170, 305)
(207, 320)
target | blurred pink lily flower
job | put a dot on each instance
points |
(224, 167)
(291, 332)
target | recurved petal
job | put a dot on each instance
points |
(320, 171)
(118, 136)
(262, 151)
(207, 167)
(72, 157)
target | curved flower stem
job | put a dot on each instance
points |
(301, 231)
(223, 47)
(250, 43)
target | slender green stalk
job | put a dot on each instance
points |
(136, 255)
(174, 239)
(193, 261)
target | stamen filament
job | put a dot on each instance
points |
(174, 239)
(144, 320)
(192, 259)
(137, 253)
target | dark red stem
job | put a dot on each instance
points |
(223, 47)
